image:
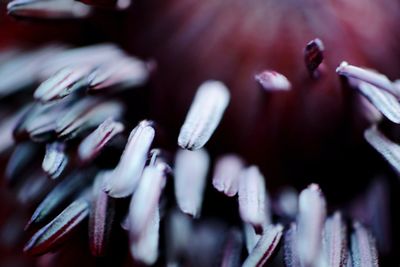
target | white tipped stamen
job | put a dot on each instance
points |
(226, 174)
(145, 200)
(55, 159)
(98, 139)
(363, 250)
(265, 246)
(191, 169)
(273, 81)
(387, 148)
(311, 218)
(251, 237)
(254, 206)
(125, 177)
(368, 76)
(145, 249)
(335, 241)
(204, 115)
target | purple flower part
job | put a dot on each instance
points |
(254, 203)
(101, 217)
(145, 248)
(58, 9)
(291, 255)
(265, 246)
(335, 241)
(89, 112)
(55, 232)
(367, 76)
(204, 115)
(389, 150)
(272, 81)
(363, 250)
(190, 172)
(146, 198)
(7, 126)
(92, 145)
(385, 102)
(121, 72)
(67, 188)
(126, 176)
(369, 111)
(226, 174)
(178, 231)
(233, 249)
(310, 224)
(314, 55)
(55, 159)
(63, 83)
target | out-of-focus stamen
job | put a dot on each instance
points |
(191, 169)
(233, 249)
(335, 241)
(363, 250)
(272, 81)
(55, 159)
(204, 115)
(226, 174)
(254, 204)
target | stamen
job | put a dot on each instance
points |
(368, 76)
(146, 198)
(51, 235)
(101, 217)
(191, 169)
(265, 246)
(290, 248)
(92, 145)
(204, 115)
(55, 160)
(335, 241)
(310, 224)
(254, 204)
(272, 81)
(389, 150)
(58, 9)
(125, 177)
(226, 174)
(363, 250)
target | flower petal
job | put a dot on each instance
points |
(226, 174)
(204, 115)
(126, 176)
(191, 169)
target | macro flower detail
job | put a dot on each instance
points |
(199, 133)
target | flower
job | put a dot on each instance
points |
(180, 133)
